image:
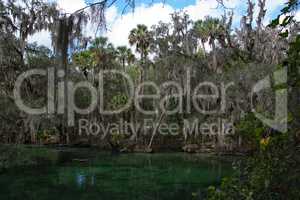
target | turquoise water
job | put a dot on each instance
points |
(84, 174)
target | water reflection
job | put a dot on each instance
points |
(84, 180)
(128, 177)
(80, 179)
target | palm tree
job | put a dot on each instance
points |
(103, 52)
(99, 43)
(140, 37)
(122, 55)
(121, 51)
(130, 57)
(202, 32)
(213, 26)
(125, 55)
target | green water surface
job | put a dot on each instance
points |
(84, 174)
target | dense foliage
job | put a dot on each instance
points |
(272, 172)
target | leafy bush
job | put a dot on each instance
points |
(273, 173)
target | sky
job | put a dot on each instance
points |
(119, 24)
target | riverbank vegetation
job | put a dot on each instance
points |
(14, 156)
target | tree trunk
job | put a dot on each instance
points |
(157, 125)
(215, 62)
(204, 49)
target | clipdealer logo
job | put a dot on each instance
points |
(279, 122)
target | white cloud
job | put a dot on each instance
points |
(119, 25)
(271, 5)
(150, 15)
(71, 6)
(297, 17)
(119, 30)
(204, 8)
(111, 14)
(42, 38)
